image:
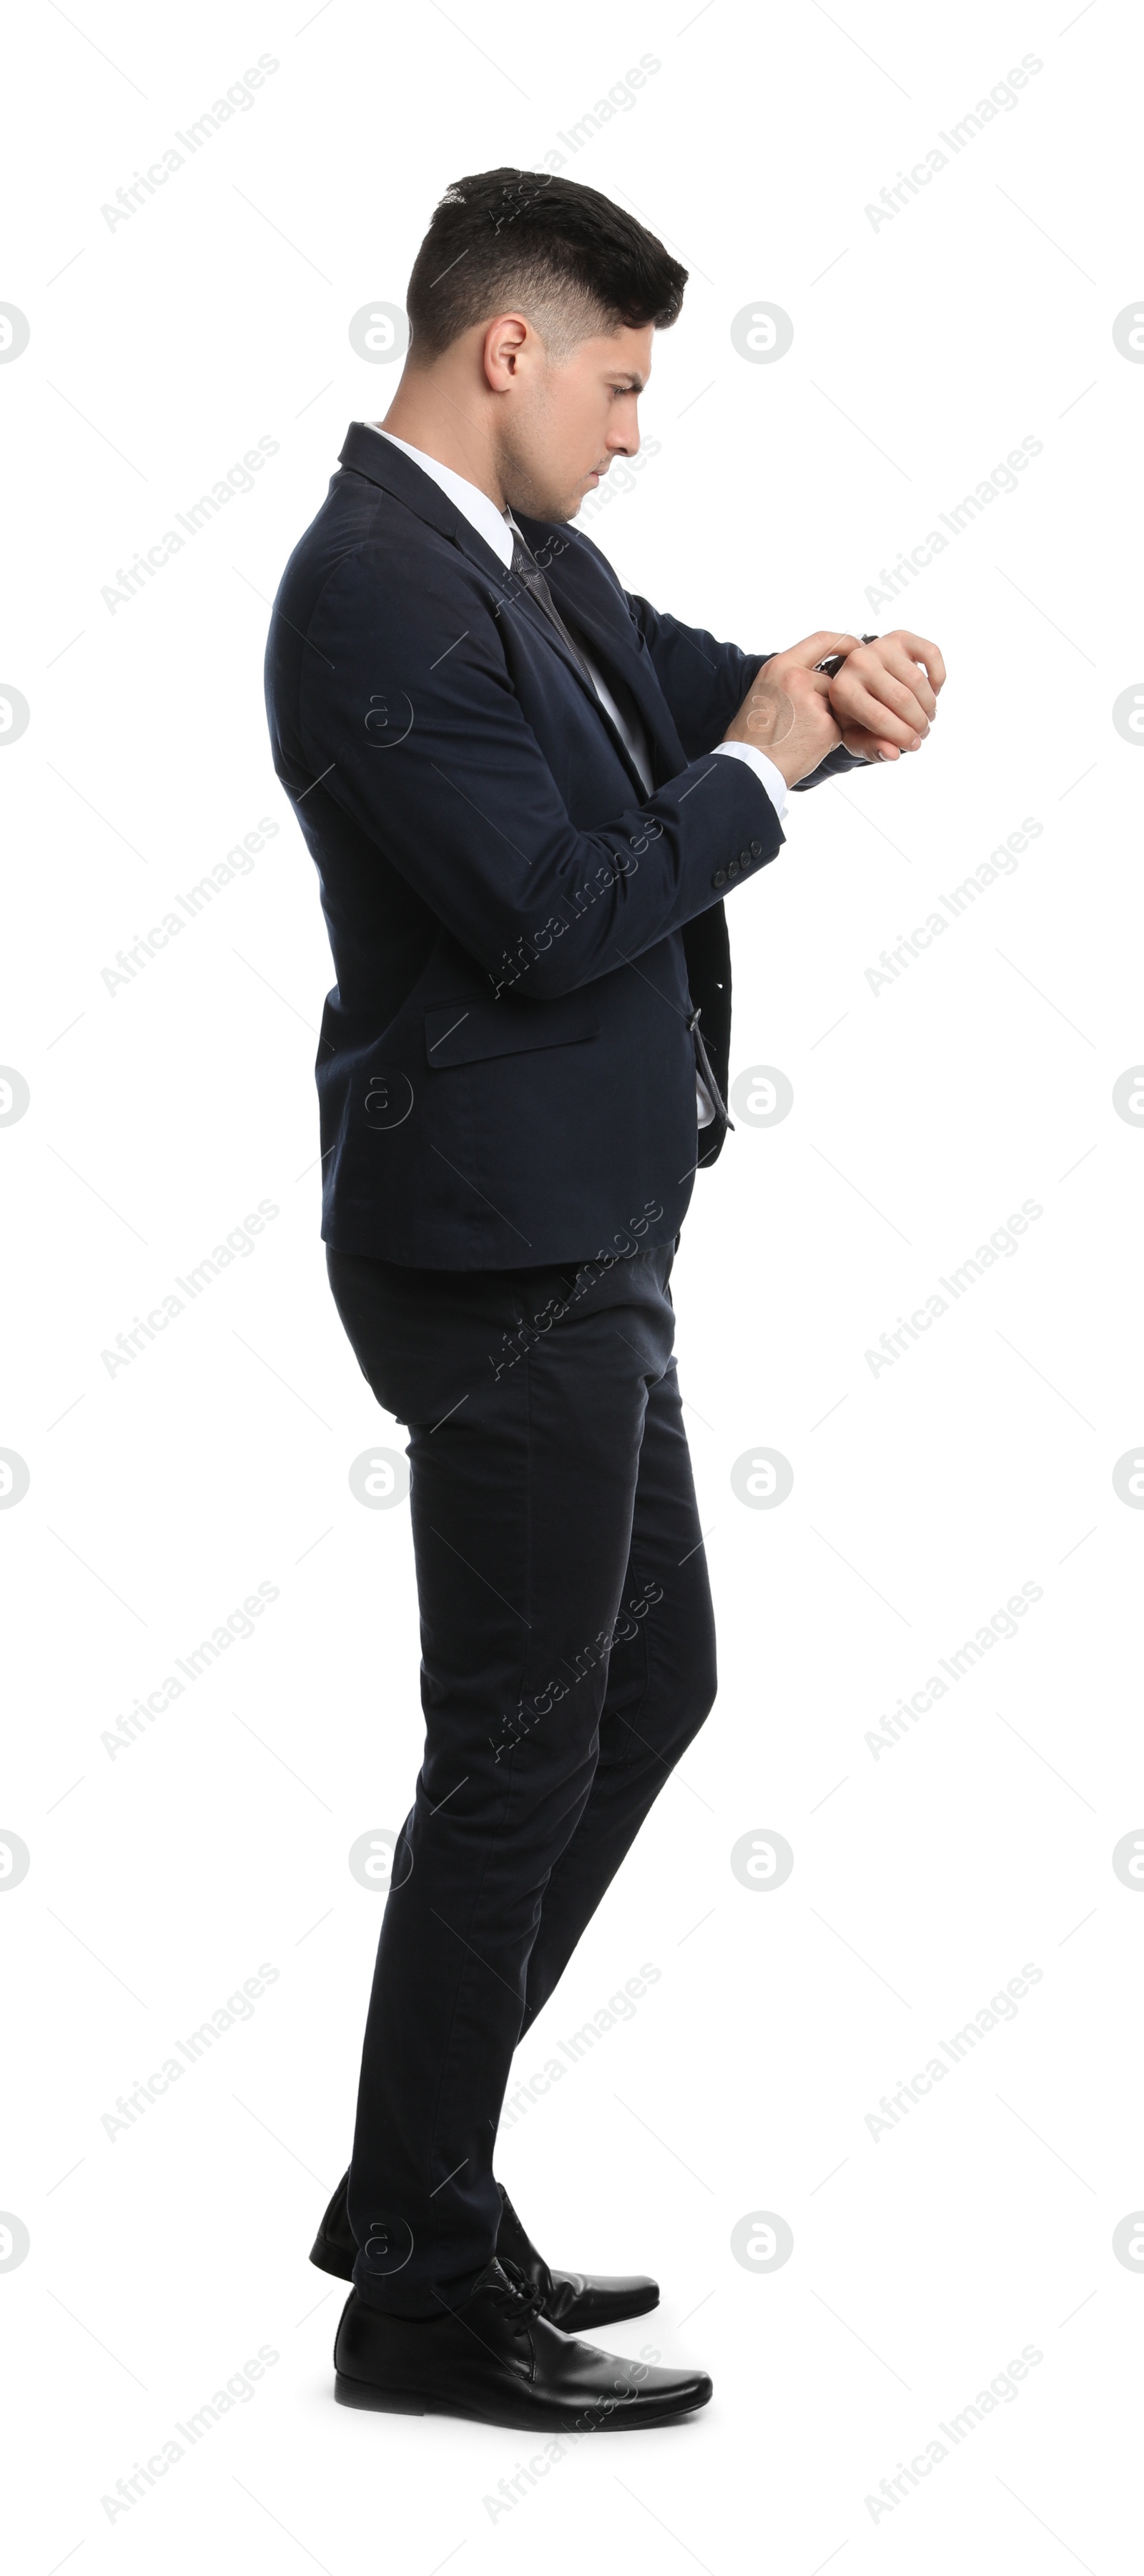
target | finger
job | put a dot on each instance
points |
(816, 648)
(894, 657)
(922, 651)
(859, 708)
(879, 701)
(869, 746)
(891, 678)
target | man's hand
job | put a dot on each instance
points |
(884, 698)
(787, 711)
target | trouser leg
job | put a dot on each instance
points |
(661, 1684)
(524, 1480)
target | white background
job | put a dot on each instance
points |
(925, 1875)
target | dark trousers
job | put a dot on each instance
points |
(568, 1658)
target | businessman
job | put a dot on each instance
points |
(527, 793)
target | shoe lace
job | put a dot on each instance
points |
(526, 2296)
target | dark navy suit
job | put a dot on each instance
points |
(522, 936)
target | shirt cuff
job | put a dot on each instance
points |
(765, 771)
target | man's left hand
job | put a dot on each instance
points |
(884, 698)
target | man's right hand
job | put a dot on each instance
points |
(787, 713)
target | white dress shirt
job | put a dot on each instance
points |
(498, 531)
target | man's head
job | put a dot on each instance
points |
(532, 305)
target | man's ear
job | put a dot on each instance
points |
(503, 341)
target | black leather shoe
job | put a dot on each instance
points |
(498, 2359)
(577, 2302)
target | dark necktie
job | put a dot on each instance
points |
(527, 570)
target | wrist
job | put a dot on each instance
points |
(787, 763)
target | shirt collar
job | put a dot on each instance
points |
(481, 513)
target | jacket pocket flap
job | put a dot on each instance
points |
(463, 1032)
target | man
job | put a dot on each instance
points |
(526, 793)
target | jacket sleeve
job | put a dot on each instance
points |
(705, 684)
(835, 764)
(427, 747)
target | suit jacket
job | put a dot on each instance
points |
(521, 935)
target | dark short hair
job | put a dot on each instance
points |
(526, 237)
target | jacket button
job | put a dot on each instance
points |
(732, 867)
(720, 877)
(745, 857)
(756, 849)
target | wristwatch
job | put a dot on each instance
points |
(834, 661)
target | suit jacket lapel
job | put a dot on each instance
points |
(579, 591)
(365, 453)
(517, 597)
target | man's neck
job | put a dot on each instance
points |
(428, 417)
